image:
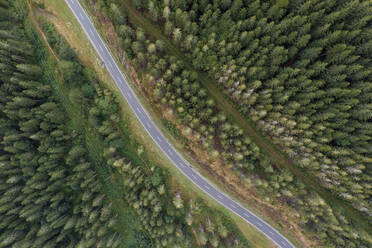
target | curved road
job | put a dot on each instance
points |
(159, 138)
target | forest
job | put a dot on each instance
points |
(301, 73)
(299, 70)
(70, 173)
(49, 194)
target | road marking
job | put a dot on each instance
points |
(158, 138)
(121, 79)
(110, 64)
(193, 176)
(247, 215)
(100, 48)
(206, 186)
(129, 96)
(90, 31)
(81, 15)
(219, 196)
(170, 151)
(271, 232)
(259, 224)
(148, 124)
(138, 109)
(232, 205)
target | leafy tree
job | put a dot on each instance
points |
(69, 69)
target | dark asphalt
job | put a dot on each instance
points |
(159, 138)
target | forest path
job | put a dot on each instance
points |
(278, 157)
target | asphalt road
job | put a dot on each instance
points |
(159, 138)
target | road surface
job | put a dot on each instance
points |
(159, 138)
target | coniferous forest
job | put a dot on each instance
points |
(300, 71)
(50, 195)
(279, 91)
(70, 174)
